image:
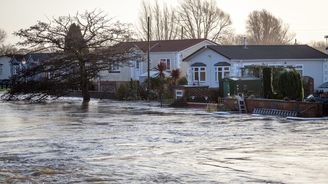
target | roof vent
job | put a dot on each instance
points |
(245, 42)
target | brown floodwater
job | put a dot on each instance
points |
(136, 142)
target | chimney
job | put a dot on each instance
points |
(245, 43)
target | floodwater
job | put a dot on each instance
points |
(129, 142)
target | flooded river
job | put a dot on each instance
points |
(127, 142)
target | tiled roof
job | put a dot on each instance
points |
(161, 45)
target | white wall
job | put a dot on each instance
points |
(210, 58)
(123, 75)
(185, 53)
(155, 58)
(6, 68)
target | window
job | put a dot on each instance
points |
(299, 69)
(114, 67)
(221, 72)
(167, 62)
(137, 64)
(199, 74)
(1, 69)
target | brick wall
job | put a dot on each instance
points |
(305, 109)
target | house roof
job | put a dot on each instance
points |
(161, 45)
(239, 52)
(39, 56)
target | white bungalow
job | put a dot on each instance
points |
(209, 64)
(170, 52)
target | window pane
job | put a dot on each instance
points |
(219, 76)
(168, 64)
(196, 76)
(202, 76)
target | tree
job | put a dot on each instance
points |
(84, 45)
(163, 21)
(265, 29)
(5, 49)
(267, 82)
(175, 75)
(203, 19)
(160, 68)
(3, 36)
(319, 45)
(290, 85)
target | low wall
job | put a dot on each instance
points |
(305, 109)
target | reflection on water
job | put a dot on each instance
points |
(121, 142)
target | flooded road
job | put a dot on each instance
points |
(127, 142)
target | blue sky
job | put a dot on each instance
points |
(307, 19)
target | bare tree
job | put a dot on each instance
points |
(84, 45)
(319, 45)
(232, 39)
(203, 19)
(3, 36)
(263, 28)
(163, 21)
(5, 48)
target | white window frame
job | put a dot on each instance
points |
(137, 66)
(199, 68)
(223, 72)
(165, 61)
(299, 68)
(114, 67)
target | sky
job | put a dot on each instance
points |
(307, 19)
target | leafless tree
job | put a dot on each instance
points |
(203, 19)
(263, 28)
(163, 21)
(232, 39)
(84, 44)
(5, 48)
(319, 45)
(3, 36)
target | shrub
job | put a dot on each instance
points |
(267, 82)
(183, 81)
(122, 92)
(291, 85)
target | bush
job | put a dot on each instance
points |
(291, 85)
(183, 81)
(267, 82)
(122, 92)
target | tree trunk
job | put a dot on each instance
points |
(84, 82)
